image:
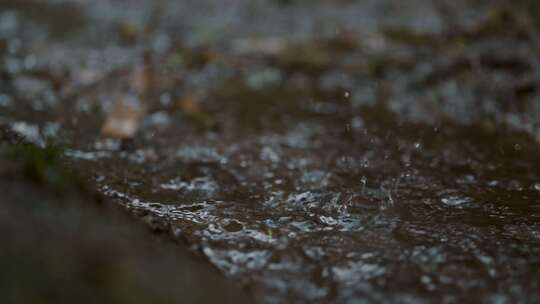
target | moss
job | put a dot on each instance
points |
(41, 165)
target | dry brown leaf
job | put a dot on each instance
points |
(123, 121)
(189, 104)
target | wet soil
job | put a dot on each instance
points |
(329, 152)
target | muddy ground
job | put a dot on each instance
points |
(277, 151)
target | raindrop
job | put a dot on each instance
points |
(390, 199)
(364, 182)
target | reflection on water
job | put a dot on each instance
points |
(376, 166)
(370, 215)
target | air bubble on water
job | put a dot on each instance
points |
(107, 144)
(493, 183)
(425, 279)
(200, 153)
(455, 200)
(328, 220)
(358, 271)
(204, 184)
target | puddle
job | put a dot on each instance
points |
(384, 167)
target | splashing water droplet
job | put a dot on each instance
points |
(364, 183)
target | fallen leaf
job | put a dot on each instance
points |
(123, 121)
(189, 104)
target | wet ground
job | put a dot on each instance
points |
(321, 151)
(63, 244)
